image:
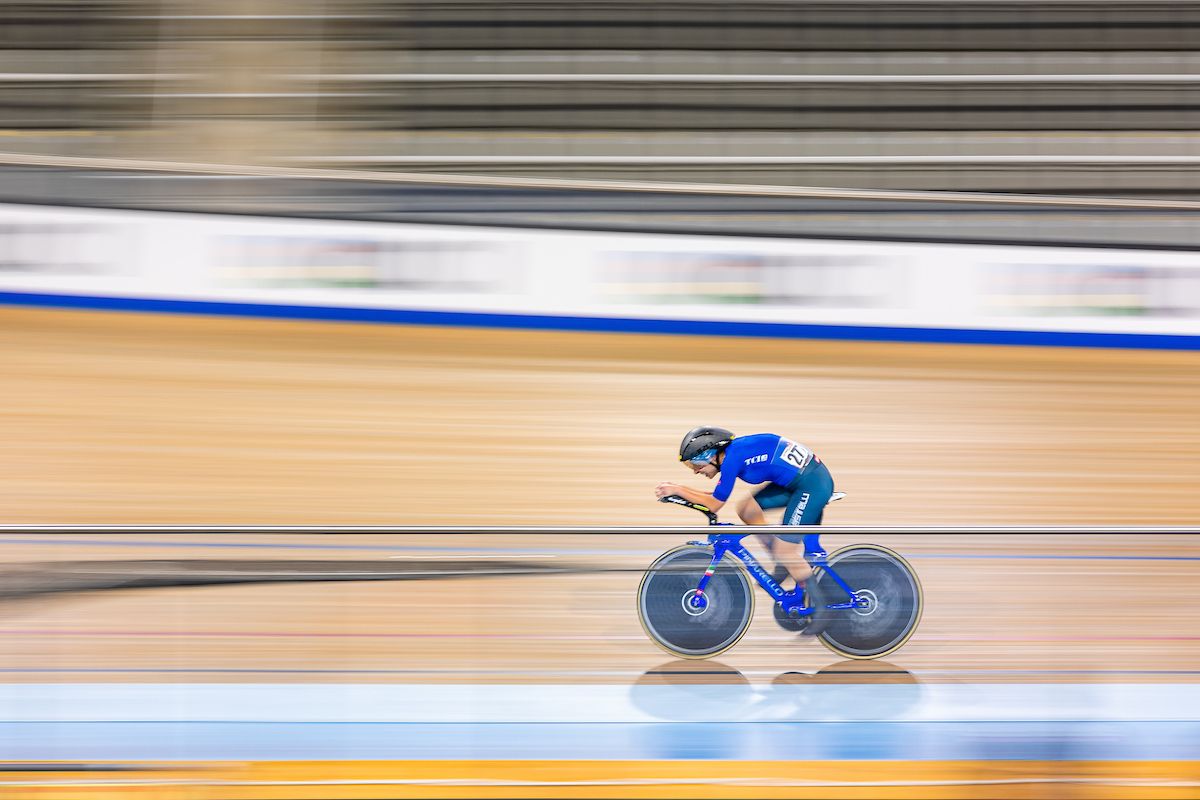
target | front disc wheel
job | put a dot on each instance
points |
(689, 624)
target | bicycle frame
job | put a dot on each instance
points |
(731, 543)
(722, 543)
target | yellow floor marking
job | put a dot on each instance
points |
(1014, 780)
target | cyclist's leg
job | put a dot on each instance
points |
(806, 506)
(808, 501)
(750, 511)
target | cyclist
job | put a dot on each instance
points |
(794, 479)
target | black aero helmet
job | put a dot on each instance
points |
(698, 442)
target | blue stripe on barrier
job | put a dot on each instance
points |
(469, 319)
(784, 740)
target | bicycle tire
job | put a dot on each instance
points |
(665, 587)
(897, 602)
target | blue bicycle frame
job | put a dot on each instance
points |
(792, 602)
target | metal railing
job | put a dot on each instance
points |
(636, 186)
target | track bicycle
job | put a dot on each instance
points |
(695, 601)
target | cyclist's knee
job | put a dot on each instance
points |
(791, 555)
(750, 512)
(790, 549)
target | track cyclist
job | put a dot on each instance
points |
(794, 479)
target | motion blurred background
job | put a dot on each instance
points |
(341, 262)
(153, 419)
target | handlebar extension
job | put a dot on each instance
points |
(679, 501)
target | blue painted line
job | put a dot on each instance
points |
(1055, 672)
(771, 330)
(997, 741)
(282, 671)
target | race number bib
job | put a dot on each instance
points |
(795, 454)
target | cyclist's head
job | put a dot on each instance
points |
(701, 446)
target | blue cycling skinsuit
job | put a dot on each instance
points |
(799, 482)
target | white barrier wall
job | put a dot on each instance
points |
(380, 265)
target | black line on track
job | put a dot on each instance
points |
(32, 580)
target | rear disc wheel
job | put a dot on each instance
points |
(888, 596)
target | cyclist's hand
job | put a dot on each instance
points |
(666, 490)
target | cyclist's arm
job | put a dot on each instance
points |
(713, 501)
(705, 499)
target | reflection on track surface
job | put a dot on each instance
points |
(840, 712)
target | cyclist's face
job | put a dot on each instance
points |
(708, 470)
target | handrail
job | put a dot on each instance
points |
(734, 77)
(835, 530)
(657, 187)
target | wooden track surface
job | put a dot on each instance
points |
(123, 418)
(996, 619)
(128, 418)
